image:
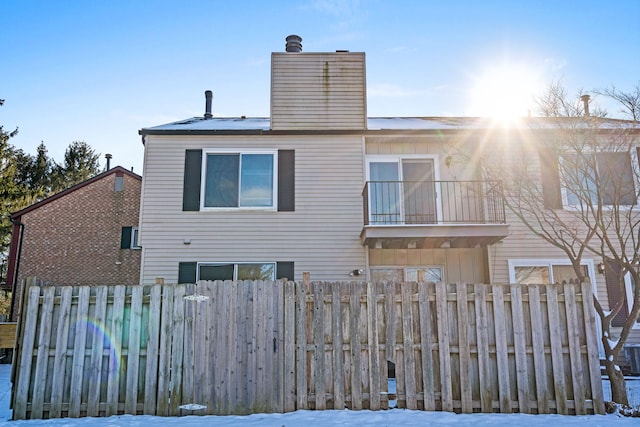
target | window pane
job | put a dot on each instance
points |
(384, 193)
(257, 271)
(532, 275)
(134, 237)
(257, 180)
(388, 274)
(216, 272)
(419, 191)
(565, 273)
(221, 185)
(431, 274)
(579, 178)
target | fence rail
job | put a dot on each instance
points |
(247, 347)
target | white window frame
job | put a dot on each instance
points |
(135, 237)
(633, 161)
(549, 262)
(235, 267)
(203, 179)
(628, 286)
(405, 269)
(398, 158)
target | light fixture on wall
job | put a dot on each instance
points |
(356, 272)
(601, 268)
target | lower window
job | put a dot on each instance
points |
(192, 271)
(406, 274)
(248, 271)
(546, 272)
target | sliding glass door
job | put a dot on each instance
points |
(402, 192)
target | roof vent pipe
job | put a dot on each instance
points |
(108, 157)
(208, 95)
(294, 43)
(585, 100)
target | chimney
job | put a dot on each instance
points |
(294, 43)
(108, 157)
(585, 100)
(207, 107)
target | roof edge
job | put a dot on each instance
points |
(73, 188)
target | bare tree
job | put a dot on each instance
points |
(581, 197)
(629, 101)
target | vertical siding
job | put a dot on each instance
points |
(321, 236)
(459, 265)
(318, 91)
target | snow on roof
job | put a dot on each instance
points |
(217, 123)
(200, 124)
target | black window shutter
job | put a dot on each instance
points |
(187, 272)
(286, 180)
(550, 176)
(125, 240)
(192, 176)
(615, 292)
(284, 270)
(616, 178)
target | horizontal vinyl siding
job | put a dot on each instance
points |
(318, 91)
(461, 169)
(521, 242)
(321, 236)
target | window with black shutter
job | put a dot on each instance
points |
(239, 179)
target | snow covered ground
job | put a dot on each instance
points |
(396, 417)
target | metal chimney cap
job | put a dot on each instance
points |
(208, 101)
(585, 100)
(294, 43)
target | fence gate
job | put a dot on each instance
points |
(254, 347)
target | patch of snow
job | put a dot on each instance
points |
(380, 123)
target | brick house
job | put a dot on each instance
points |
(84, 235)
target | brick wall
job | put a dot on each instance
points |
(75, 239)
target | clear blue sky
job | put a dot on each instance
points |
(99, 71)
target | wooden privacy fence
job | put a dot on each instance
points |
(246, 347)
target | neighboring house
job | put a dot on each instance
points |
(319, 187)
(84, 235)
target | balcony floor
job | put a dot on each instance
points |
(433, 235)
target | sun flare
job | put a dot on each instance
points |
(504, 91)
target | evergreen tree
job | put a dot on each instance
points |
(80, 163)
(11, 189)
(40, 172)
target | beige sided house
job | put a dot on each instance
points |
(319, 187)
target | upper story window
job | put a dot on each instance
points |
(609, 172)
(129, 238)
(219, 179)
(402, 189)
(239, 180)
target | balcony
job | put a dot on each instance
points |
(433, 214)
